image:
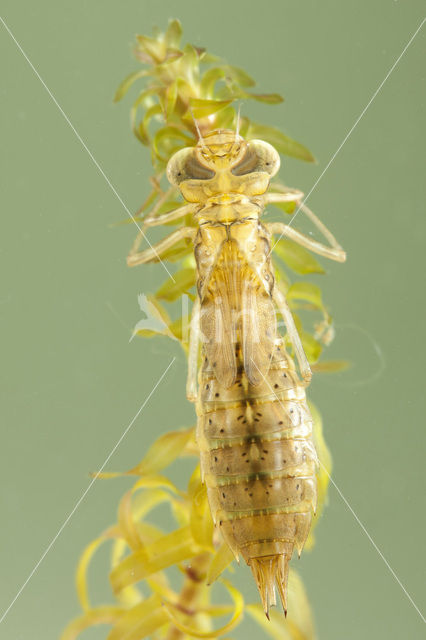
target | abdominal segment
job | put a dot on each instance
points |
(258, 462)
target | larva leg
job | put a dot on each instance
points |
(291, 195)
(152, 221)
(283, 308)
(334, 251)
(153, 254)
(194, 342)
(176, 214)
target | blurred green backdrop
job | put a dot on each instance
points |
(71, 382)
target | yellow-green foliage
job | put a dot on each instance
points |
(180, 84)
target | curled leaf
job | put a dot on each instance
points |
(163, 452)
(143, 127)
(154, 482)
(127, 83)
(84, 562)
(169, 139)
(209, 80)
(127, 523)
(140, 621)
(147, 500)
(100, 615)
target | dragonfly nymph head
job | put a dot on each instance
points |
(223, 163)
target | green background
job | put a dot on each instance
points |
(71, 382)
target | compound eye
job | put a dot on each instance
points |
(259, 157)
(184, 165)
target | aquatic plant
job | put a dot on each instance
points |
(183, 86)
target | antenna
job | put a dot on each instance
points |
(237, 129)
(200, 137)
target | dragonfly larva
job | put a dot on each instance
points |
(254, 428)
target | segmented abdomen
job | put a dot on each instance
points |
(258, 461)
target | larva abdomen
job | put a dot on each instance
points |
(258, 463)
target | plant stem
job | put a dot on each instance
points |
(193, 591)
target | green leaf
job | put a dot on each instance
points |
(311, 346)
(178, 251)
(127, 83)
(323, 471)
(287, 207)
(140, 621)
(174, 33)
(280, 141)
(217, 633)
(154, 48)
(244, 126)
(106, 614)
(213, 75)
(222, 558)
(203, 108)
(269, 98)
(142, 129)
(182, 281)
(331, 366)
(231, 92)
(141, 134)
(171, 96)
(224, 119)
(239, 76)
(157, 320)
(208, 58)
(188, 67)
(84, 563)
(306, 291)
(180, 327)
(209, 79)
(281, 277)
(165, 552)
(201, 522)
(163, 452)
(297, 257)
(172, 55)
(164, 143)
